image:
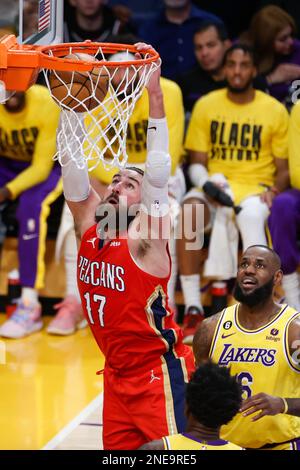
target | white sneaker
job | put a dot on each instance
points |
(25, 320)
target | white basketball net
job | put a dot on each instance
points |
(99, 134)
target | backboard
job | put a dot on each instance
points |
(40, 22)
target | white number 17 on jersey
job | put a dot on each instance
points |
(96, 298)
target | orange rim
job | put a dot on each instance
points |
(20, 64)
(61, 50)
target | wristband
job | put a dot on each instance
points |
(286, 406)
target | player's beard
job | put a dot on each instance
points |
(237, 90)
(256, 297)
(113, 219)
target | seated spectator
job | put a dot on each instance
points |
(290, 6)
(210, 44)
(28, 123)
(271, 34)
(89, 20)
(237, 137)
(135, 10)
(284, 221)
(213, 398)
(171, 34)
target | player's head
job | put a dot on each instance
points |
(127, 184)
(121, 200)
(16, 102)
(258, 274)
(239, 68)
(213, 396)
(210, 44)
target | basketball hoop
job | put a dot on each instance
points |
(94, 86)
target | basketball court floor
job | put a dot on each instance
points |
(51, 397)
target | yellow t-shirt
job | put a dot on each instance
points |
(294, 146)
(187, 442)
(30, 136)
(137, 131)
(261, 360)
(241, 140)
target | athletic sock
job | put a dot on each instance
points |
(190, 285)
(290, 284)
(29, 295)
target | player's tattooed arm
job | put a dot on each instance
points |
(203, 338)
(293, 404)
(261, 405)
(294, 342)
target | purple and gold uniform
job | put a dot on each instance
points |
(186, 442)
(27, 169)
(261, 360)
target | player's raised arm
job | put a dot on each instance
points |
(154, 198)
(80, 196)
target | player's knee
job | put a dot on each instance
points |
(253, 212)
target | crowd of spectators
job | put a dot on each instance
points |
(243, 60)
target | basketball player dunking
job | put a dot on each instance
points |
(122, 280)
(258, 339)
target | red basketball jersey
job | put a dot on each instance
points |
(127, 309)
